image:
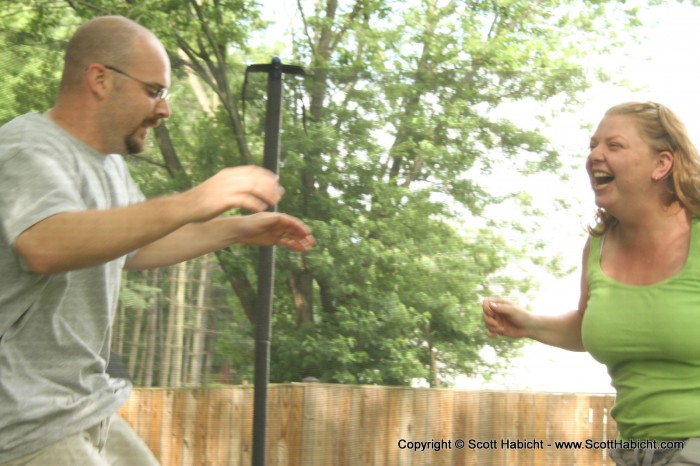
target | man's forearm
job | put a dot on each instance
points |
(74, 240)
(187, 242)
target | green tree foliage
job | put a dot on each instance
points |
(400, 100)
(386, 146)
(31, 45)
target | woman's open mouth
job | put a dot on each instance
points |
(602, 178)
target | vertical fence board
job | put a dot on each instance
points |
(239, 452)
(277, 448)
(189, 427)
(486, 432)
(286, 405)
(510, 426)
(342, 409)
(598, 428)
(378, 406)
(176, 440)
(524, 431)
(153, 434)
(584, 421)
(354, 453)
(460, 414)
(501, 427)
(200, 409)
(145, 421)
(373, 426)
(465, 424)
(247, 426)
(567, 421)
(218, 443)
(404, 424)
(315, 435)
(539, 426)
(163, 448)
(441, 418)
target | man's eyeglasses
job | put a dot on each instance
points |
(156, 92)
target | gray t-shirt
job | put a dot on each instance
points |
(54, 329)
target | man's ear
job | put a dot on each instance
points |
(98, 80)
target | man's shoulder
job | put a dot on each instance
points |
(30, 129)
(28, 121)
(36, 136)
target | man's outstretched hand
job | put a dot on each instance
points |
(275, 229)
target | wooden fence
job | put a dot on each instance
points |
(343, 425)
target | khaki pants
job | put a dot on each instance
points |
(689, 455)
(110, 443)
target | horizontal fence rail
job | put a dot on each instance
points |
(345, 425)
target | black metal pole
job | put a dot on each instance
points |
(266, 260)
(266, 272)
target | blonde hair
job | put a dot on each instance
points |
(663, 131)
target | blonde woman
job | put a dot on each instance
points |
(639, 310)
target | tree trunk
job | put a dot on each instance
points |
(170, 157)
(167, 345)
(200, 320)
(240, 284)
(135, 342)
(119, 323)
(152, 331)
(431, 354)
(211, 351)
(301, 283)
(178, 318)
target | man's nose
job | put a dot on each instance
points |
(163, 109)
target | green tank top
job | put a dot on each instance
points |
(649, 339)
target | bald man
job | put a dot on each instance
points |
(71, 219)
